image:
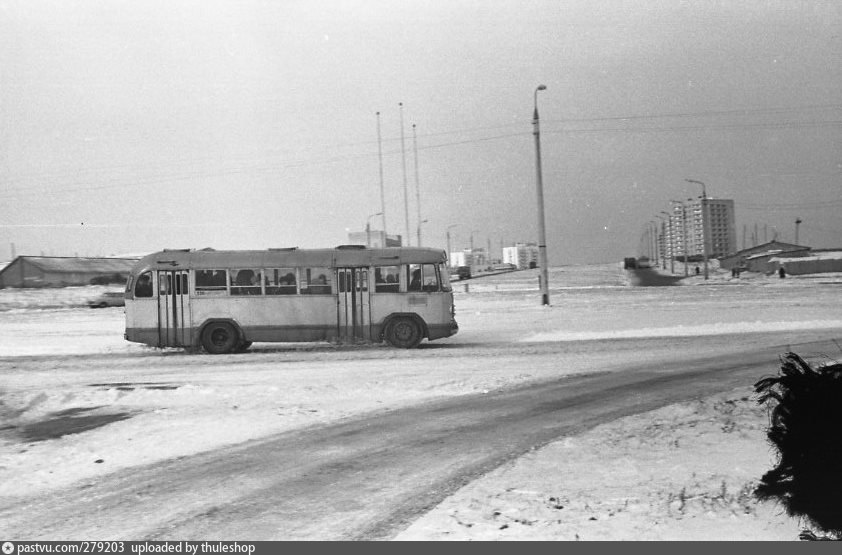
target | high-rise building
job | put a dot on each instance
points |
(522, 255)
(686, 230)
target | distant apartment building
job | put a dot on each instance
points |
(685, 232)
(522, 255)
(476, 258)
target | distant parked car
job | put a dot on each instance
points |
(464, 272)
(109, 298)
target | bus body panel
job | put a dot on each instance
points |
(292, 319)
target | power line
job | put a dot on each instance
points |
(836, 203)
(296, 162)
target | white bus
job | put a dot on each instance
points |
(225, 300)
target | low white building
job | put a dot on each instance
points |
(475, 259)
(374, 239)
(522, 255)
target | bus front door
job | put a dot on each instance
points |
(174, 322)
(353, 307)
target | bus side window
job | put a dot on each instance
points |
(316, 281)
(245, 281)
(280, 281)
(143, 288)
(386, 279)
(210, 282)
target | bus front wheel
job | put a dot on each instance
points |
(219, 338)
(404, 333)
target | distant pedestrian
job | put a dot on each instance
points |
(781, 272)
(697, 270)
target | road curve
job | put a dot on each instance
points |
(367, 478)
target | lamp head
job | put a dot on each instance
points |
(541, 88)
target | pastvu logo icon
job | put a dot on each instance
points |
(8, 548)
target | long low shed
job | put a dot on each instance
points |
(61, 271)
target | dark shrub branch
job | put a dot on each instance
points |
(806, 429)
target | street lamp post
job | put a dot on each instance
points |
(368, 229)
(704, 223)
(539, 185)
(447, 233)
(671, 243)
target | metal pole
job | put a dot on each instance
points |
(405, 193)
(417, 183)
(539, 185)
(797, 223)
(382, 190)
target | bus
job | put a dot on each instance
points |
(223, 301)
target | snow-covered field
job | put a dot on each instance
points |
(682, 472)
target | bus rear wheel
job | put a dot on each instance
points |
(404, 333)
(219, 338)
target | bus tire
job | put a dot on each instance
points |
(404, 333)
(219, 338)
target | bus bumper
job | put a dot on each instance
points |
(444, 330)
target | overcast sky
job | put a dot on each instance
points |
(134, 126)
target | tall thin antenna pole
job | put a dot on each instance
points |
(417, 182)
(405, 194)
(382, 191)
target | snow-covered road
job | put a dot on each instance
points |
(68, 361)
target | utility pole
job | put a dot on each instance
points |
(797, 223)
(539, 182)
(382, 189)
(417, 182)
(405, 191)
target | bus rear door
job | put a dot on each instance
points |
(174, 322)
(353, 306)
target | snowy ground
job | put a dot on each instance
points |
(682, 472)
